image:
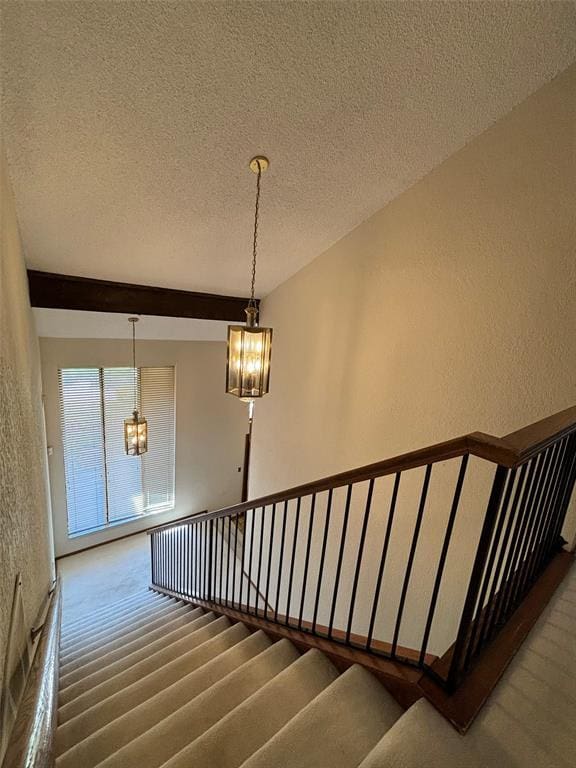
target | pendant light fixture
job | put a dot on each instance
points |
(249, 346)
(136, 427)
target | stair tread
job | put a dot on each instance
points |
(95, 708)
(116, 626)
(78, 682)
(111, 685)
(338, 728)
(97, 614)
(251, 724)
(128, 643)
(422, 738)
(144, 715)
(175, 732)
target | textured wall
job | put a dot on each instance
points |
(25, 533)
(451, 310)
(210, 426)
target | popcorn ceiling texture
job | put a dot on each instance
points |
(25, 534)
(129, 125)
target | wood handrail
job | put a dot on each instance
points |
(31, 743)
(175, 523)
(509, 451)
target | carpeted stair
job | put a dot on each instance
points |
(151, 681)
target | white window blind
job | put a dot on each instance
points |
(103, 485)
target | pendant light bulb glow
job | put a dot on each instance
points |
(250, 346)
(136, 427)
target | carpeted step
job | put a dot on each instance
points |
(97, 671)
(175, 732)
(177, 652)
(245, 729)
(161, 724)
(337, 729)
(128, 642)
(104, 633)
(99, 614)
(100, 617)
(422, 738)
(99, 710)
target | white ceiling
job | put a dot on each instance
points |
(71, 324)
(129, 125)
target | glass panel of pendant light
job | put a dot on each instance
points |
(135, 435)
(248, 365)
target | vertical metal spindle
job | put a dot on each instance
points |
(228, 551)
(322, 558)
(542, 513)
(469, 607)
(385, 546)
(359, 560)
(517, 538)
(484, 610)
(442, 561)
(567, 491)
(221, 578)
(250, 586)
(242, 558)
(307, 560)
(235, 562)
(210, 559)
(411, 556)
(281, 559)
(499, 585)
(529, 537)
(340, 558)
(153, 575)
(272, 524)
(293, 559)
(551, 506)
(260, 550)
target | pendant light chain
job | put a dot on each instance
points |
(134, 365)
(252, 302)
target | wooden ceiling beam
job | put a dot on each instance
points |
(82, 293)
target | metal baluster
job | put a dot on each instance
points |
(359, 559)
(410, 563)
(340, 557)
(484, 610)
(260, 550)
(442, 561)
(554, 500)
(228, 550)
(528, 539)
(250, 585)
(475, 577)
(269, 560)
(322, 558)
(293, 559)
(547, 513)
(566, 496)
(498, 586)
(220, 590)
(307, 560)
(234, 561)
(243, 555)
(383, 560)
(281, 562)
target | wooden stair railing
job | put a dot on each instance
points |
(31, 741)
(330, 565)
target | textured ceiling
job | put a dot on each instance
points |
(129, 125)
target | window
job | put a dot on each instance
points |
(104, 486)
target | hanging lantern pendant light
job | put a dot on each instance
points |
(249, 346)
(136, 427)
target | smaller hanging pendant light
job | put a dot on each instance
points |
(249, 346)
(136, 427)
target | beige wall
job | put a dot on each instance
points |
(210, 426)
(452, 309)
(25, 536)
